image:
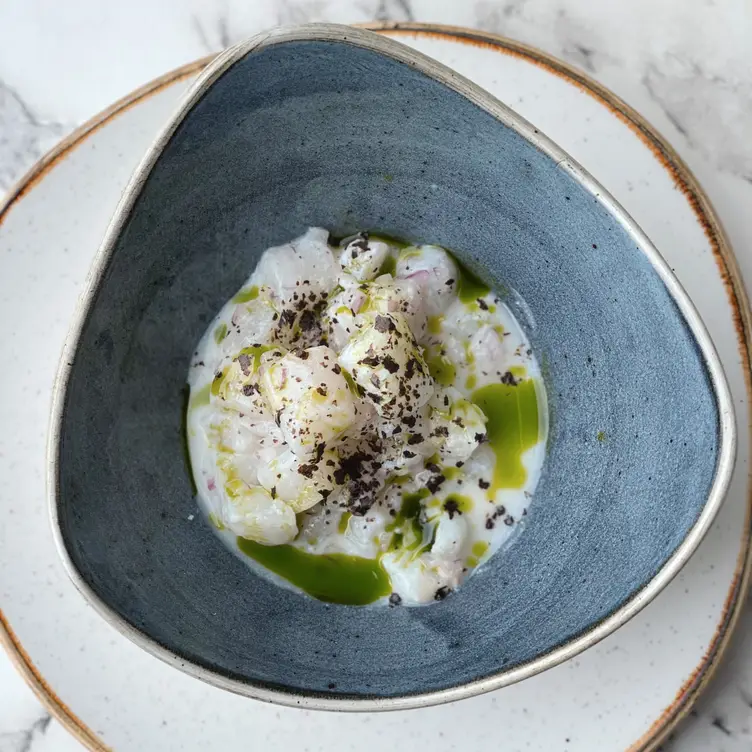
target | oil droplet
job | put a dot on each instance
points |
(469, 287)
(220, 332)
(406, 526)
(247, 294)
(512, 428)
(479, 548)
(343, 522)
(255, 352)
(440, 367)
(469, 355)
(216, 384)
(389, 266)
(458, 503)
(398, 480)
(434, 324)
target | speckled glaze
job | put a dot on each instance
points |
(334, 127)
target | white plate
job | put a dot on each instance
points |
(627, 692)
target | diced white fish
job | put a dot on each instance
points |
(422, 579)
(435, 272)
(487, 346)
(340, 316)
(306, 260)
(481, 463)
(252, 513)
(252, 320)
(236, 383)
(463, 321)
(250, 436)
(451, 537)
(300, 485)
(389, 295)
(363, 257)
(383, 358)
(358, 470)
(436, 570)
(407, 444)
(234, 473)
(456, 351)
(307, 393)
(361, 531)
(457, 428)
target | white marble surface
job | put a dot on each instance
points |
(685, 64)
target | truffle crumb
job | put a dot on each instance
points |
(509, 379)
(434, 483)
(452, 507)
(384, 324)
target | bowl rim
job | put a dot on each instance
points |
(313, 700)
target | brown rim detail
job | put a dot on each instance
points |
(684, 181)
(728, 267)
(22, 661)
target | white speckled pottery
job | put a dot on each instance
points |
(626, 692)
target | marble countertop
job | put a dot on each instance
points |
(685, 64)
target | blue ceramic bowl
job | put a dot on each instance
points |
(344, 129)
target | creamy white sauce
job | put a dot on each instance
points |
(315, 421)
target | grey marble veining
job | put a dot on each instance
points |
(708, 110)
(27, 738)
(685, 64)
(24, 134)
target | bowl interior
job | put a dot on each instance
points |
(330, 134)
